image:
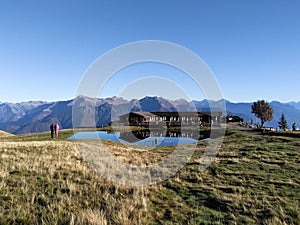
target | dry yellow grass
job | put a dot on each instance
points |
(48, 182)
(5, 134)
(254, 180)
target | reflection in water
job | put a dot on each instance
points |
(144, 137)
(135, 136)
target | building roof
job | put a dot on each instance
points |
(151, 114)
(143, 114)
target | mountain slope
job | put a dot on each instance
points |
(243, 110)
(30, 117)
(295, 105)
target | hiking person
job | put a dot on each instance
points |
(294, 127)
(52, 130)
(56, 128)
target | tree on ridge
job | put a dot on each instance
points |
(283, 123)
(263, 111)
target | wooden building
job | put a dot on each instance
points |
(170, 119)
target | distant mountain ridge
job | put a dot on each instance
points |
(36, 116)
(295, 104)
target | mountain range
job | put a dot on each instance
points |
(36, 116)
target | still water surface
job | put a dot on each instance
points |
(145, 138)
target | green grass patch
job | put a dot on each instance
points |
(254, 180)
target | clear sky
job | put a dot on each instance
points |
(253, 47)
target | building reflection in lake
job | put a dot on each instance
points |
(135, 136)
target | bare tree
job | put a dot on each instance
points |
(263, 111)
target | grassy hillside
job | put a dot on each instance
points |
(5, 134)
(254, 180)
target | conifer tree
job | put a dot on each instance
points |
(283, 123)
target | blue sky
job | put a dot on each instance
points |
(252, 47)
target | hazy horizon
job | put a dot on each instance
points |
(139, 98)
